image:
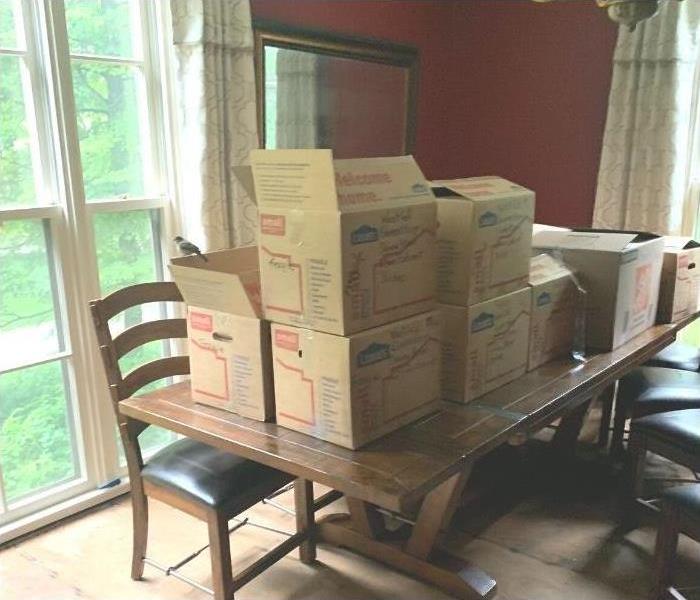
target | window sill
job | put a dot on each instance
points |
(32, 523)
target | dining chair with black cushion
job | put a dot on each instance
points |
(651, 390)
(680, 514)
(207, 483)
(673, 435)
(679, 355)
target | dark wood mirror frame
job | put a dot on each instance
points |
(271, 33)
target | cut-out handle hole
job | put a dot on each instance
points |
(220, 337)
(691, 266)
(300, 353)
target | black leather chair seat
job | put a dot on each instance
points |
(678, 355)
(650, 390)
(210, 476)
(680, 428)
(686, 498)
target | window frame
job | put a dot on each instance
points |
(70, 217)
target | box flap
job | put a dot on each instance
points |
(477, 188)
(312, 180)
(302, 179)
(545, 268)
(677, 242)
(537, 227)
(366, 182)
(583, 240)
(244, 174)
(229, 281)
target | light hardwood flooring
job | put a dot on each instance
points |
(544, 531)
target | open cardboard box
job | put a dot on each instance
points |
(229, 342)
(620, 271)
(680, 279)
(484, 238)
(345, 245)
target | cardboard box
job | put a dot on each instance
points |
(231, 362)
(345, 245)
(352, 390)
(484, 238)
(680, 279)
(555, 300)
(229, 343)
(620, 272)
(484, 346)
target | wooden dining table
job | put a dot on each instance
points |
(418, 472)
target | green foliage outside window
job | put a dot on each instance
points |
(36, 447)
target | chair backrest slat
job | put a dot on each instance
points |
(149, 331)
(112, 349)
(153, 371)
(141, 293)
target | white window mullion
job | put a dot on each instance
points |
(80, 265)
(35, 93)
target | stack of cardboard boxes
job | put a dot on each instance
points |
(338, 301)
(347, 265)
(484, 246)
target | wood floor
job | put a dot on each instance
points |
(546, 532)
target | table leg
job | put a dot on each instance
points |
(365, 519)
(419, 556)
(435, 514)
(304, 509)
(607, 399)
(564, 441)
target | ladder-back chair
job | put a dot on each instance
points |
(205, 482)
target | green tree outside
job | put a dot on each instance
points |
(36, 447)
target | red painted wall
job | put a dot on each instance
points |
(530, 99)
(507, 87)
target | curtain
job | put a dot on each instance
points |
(645, 160)
(215, 97)
(297, 99)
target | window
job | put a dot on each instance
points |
(84, 208)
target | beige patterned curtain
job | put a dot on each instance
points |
(215, 94)
(297, 99)
(645, 161)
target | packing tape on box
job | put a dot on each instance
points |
(578, 350)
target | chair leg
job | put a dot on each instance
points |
(607, 400)
(139, 511)
(633, 481)
(220, 549)
(665, 554)
(618, 435)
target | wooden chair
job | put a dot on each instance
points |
(651, 390)
(674, 435)
(209, 484)
(679, 356)
(680, 513)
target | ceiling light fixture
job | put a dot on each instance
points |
(626, 12)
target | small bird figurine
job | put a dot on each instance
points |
(188, 248)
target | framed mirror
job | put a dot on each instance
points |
(319, 90)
